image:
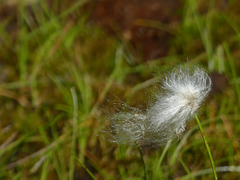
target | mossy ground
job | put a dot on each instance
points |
(60, 74)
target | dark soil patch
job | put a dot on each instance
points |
(146, 24)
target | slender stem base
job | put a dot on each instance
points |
(207, 147)
(144, 167)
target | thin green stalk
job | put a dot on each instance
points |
(207, 147)
(158, 167)
(144, 167)
(74, 136)
(186, 169)
(88, 171)
(233, 69)
(164, 153)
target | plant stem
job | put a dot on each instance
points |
(88, 171)
(144, 167)
(74, 136)
(207, 147)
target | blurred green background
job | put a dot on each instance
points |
(64, 64)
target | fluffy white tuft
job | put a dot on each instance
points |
(183, 90)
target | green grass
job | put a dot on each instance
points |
(207, 148)
(60, 76)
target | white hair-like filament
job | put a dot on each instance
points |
(182, 93)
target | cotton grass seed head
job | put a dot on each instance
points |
(182, 92)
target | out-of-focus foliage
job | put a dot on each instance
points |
(64, 72)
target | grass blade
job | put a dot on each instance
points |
(207, 147)
(74, 136)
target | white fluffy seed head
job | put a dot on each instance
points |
(183, 91)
